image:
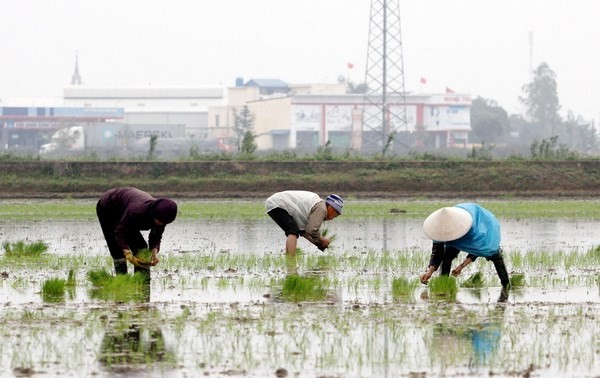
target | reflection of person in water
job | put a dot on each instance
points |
(486, 336)
(482, 337)
(129, 344)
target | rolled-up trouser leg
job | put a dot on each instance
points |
(498, 261)
(120, 266)
(450, 254)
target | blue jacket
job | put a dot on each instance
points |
(483, 238)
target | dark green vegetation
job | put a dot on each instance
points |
(377, 178)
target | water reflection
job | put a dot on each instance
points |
(469, 333)
(133, 342)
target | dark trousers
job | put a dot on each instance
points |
(449, 253)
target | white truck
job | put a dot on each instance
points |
(106, 138)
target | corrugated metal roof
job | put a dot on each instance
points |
(266, 83)
(144, 93)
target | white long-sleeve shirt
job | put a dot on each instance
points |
(307, 209)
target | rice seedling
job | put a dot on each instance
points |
(71, 281)
(403, 287)
(23, 248)
(145, 255)
(517, 279)
(326, 234)
(53, 290)
(99, 277)
(443, 287)
(122, 287)
(298, 288)
(476, 280)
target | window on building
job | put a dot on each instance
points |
(217, 123)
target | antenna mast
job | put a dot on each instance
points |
(384, 106)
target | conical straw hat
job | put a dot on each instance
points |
(447, 224)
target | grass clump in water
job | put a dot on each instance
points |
(23, 249)
(403, 287)
(443, 287)
(53, 290)
(122, 287)
(476, 280)
(517, 279)
(298, 288)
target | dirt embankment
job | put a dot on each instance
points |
(361, 179)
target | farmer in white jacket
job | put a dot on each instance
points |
(301, 213)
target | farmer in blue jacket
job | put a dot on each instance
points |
(465, 227)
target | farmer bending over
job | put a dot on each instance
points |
(301, 213)
(464, 227)
(122, 213)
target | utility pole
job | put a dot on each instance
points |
(384, 105)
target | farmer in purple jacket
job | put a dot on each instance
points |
(122, 213)
(465, 227)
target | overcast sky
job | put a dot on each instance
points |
(479, 47)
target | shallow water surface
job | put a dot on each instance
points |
(215, 305)
(264, 236)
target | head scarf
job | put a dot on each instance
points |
(165, 210)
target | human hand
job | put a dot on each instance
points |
(457, 270)
(323, 243)
(425, 277)
(132, 259)
(154, 259)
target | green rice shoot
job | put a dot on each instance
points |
(122, 287)
(299, 288)
(443, 286)
(71, 282)
(403, 287)
(23, 248)
(517, 279)
(476, 280)
(325, 234)
(53, 290)
(145, 255)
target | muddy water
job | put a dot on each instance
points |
(263, 236)
(235, 323)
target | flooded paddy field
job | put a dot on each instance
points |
(218, 303)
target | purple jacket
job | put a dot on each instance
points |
(132, 210)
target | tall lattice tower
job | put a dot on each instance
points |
(384, 107)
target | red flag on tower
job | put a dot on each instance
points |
(350, 65)
(423, 80)
(448, 90)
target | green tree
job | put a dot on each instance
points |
(356, 88)
(152, 146)
(248, 143)
(541, 100)
(489, 121)
(243, 122)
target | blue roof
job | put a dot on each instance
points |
(266, 83)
